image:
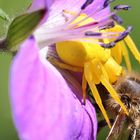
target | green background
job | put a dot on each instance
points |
(13, 7)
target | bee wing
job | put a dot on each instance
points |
(119, 127)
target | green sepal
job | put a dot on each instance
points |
(21, 28)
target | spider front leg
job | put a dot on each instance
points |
(84, 87)
(65, 66)
(126, 56)
(120, 51)
(131, 45)
(128, 41)
(114, 70)
(74, 69)
(92, 79)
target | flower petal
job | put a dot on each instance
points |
(43, 105)
(41, 4)
(97, 8)
(37, 4)
(56, 16)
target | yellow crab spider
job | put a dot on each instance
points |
(98, 65)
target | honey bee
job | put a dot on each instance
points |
(126, 127)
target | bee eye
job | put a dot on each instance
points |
(125, 99)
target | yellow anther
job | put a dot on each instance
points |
(80, 20)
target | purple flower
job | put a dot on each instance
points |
(38, 4)
(62, 21)
(46, 102)
(44, 106)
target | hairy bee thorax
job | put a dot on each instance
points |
(128, 89)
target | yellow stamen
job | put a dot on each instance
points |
(81, 20)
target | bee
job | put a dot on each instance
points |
(128, 89)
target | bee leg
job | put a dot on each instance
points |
(133, 135)
(118, 126)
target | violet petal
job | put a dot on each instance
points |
(43, 105)
(94, 10)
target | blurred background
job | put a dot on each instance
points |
(14, 7)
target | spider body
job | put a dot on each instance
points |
(98, 65)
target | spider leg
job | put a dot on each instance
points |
(132, 47)
(65, 66)
(84, 87)
(116, 52)
(111, 90)
(72, 68)
(126, 56)
(89, 75)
